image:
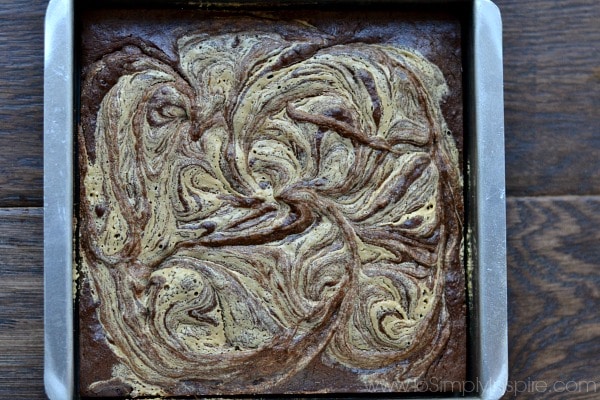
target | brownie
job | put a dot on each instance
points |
(270, 203)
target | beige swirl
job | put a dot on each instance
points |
(265, 202)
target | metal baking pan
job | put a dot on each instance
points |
(484, 179)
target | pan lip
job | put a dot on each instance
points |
(486, 193)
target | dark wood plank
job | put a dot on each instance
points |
(21, 304)
(554, 296)
(552, 96)
(21, 97)
(551, 78)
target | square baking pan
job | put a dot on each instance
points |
(485, 244)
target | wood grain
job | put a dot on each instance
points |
(21, 100)
(552, 81)
(552, 96)
(21, 304)
(554, 295)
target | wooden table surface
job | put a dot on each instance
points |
(552, 98)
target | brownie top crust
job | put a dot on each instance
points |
(269, 203)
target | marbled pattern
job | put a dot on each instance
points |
(269, 199)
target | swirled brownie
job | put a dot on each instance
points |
(270, 203)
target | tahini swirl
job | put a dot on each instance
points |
(268, 199)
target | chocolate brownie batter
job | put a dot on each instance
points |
(270, 203)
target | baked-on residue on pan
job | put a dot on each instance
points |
(268, 207)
